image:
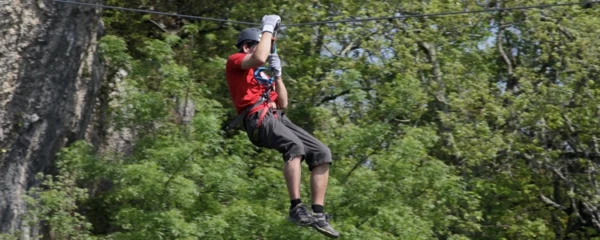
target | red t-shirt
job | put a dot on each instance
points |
(244, 89)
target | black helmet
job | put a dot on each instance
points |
(252, 34)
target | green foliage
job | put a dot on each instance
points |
(114, 51)
(56, 202)
(480, 126)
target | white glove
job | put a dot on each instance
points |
(269, 22)
(275, 64)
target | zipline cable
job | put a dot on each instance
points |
(444, 13)
(153, 12)
(336, 21)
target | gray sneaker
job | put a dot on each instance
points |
(322, 225)
(301, 216)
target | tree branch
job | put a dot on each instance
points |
(560, 175)
(361, 162)
(335, 96)
(355, 44)
(161, 26)
(499, 37)
(593, 212)
(437, 73)
(551, 203)
(561, 29)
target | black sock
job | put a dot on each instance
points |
(317, 208)
(294, 203)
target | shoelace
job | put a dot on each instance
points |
(327, 217)
(303, 212)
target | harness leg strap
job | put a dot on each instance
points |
(262, 116)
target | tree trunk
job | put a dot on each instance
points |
(49, 77)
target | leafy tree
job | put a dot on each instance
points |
(474, 126)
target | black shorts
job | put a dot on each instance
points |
(277, 132)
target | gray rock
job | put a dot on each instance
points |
(50, 75)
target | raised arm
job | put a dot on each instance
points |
(258, 56)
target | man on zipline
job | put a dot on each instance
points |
(260, 102)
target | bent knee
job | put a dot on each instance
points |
(322, 154)
(292, 149)
(319, 157)
(322, 160)
(296, 147)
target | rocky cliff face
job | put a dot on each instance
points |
(50, 75)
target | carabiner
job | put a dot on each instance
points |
(262, 78)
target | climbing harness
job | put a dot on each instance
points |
(267, 84)
(262, 78)
(263, 104)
